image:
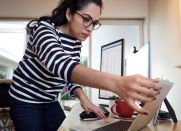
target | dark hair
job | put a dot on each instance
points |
(58, 16)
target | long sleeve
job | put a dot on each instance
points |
(51, 53)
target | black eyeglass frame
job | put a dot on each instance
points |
(86, 21)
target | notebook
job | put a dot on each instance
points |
(132, 125)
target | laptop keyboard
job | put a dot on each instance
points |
(116, 126)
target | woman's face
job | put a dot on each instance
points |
(81, 24)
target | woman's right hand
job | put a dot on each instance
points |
(137, 88)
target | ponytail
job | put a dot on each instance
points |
(59, 13)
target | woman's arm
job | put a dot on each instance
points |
(130, 88)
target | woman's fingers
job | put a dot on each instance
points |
(97, 111)
(137, 108)
(149, 83)
(142, 97)
(141, 110)
(149, 92)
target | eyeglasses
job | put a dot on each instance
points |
(87, 21)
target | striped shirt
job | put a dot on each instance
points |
(47, 64)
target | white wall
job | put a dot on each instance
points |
(35, 8)
(26, 8)
(125, 9)
(165, 38)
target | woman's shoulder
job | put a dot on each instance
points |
(47, 23)
(41, 26)
(36, 24)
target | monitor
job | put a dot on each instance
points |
(112, 61)
(139, 62)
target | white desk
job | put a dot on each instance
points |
(74, 120)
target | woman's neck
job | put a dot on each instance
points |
(65, 29)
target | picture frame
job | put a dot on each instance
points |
(112, 61)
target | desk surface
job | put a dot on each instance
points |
(74, 120)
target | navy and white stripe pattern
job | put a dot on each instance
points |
(47, 64)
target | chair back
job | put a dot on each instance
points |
(4, 96)
(6, 124)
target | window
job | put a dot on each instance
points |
(12, 45)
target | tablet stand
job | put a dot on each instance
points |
(171, 113)
(170, 110)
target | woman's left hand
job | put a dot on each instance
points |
(87, 105)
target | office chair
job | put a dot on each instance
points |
(6, 123)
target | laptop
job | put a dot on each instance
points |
(131, 125)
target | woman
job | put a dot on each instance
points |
(51, 62)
